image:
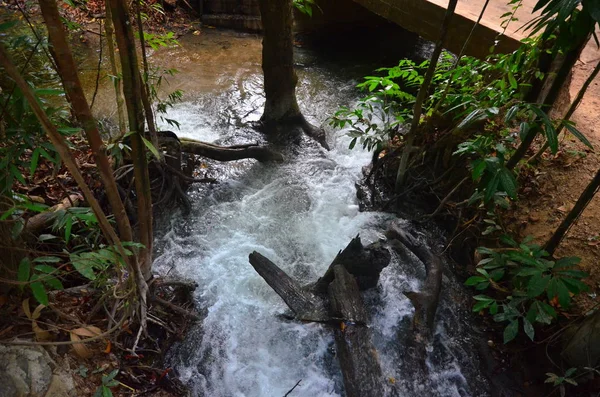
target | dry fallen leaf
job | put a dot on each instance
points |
(80, 348)
(40, 334)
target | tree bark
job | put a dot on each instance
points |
(278, 62)
(133, 100)
(425, 301)
(418, 107)
(365, 263)
(305, 305)
(224, 153)
(585, 198)
(355, 351)
(67, 68)
(280, 79)
(109, 30)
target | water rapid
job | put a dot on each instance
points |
(299, 214)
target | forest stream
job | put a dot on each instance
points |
(298, 213)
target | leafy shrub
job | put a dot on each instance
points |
(530, 285)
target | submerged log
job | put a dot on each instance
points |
(425, 301)
(305, 305)
(356, 354)
(365, 263)
(230, 153)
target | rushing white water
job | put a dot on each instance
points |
(299, 214)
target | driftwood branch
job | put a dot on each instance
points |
(305, 305)
(357, 355)
(224, 153)
(37, 223)
(425, 301)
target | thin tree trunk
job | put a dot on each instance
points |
(571, 110)
(460, 55)
(574, 214)
(145, 85)
(133, 100)
(109, 30)
(559, 81)
(67, 68)
(278, 62)
(418, 107)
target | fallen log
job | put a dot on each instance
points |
(225, 153)
(364, 263)
(425, 301)
(355, 351)
(37, 223)
(305, 305)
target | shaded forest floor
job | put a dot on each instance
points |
(559, 179)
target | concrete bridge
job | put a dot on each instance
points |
(423, 17)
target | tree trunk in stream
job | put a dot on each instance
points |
(280, 79)
(355, 351)
(356, 354)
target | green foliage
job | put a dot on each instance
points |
(572, 19)
(388, 104)
(305, 6)
(39, 276)
(155, 41)
(108, 381)
(561, 380)
(526, 282)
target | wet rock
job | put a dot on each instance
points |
(30, 371)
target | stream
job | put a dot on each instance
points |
(299, 214)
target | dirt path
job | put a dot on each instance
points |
(561, 179)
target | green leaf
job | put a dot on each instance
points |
(528, 328)
(478, 168)
(47, 259)
(106, 391)
(567, 262)
(524, 130)
(7, 25)
(39, 291)
(577, 134)
(45, 269)
(151, 147)
(50, 92)
(84, 266)
(508, 182)
(537, 285)
(68, 227)
(556, 288)
(35, 157)
(110, 376)
(513, 81)
(483, 298)
(54, 283)
(479, 306)
(24, 270)
(511, 330)
(491, 188)
(475, 280)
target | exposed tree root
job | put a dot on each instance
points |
(224, 153)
